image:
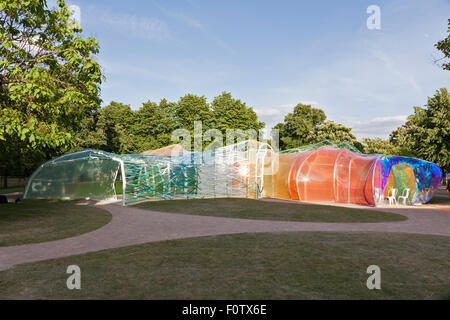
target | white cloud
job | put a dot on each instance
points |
(149, 28)
(376, 127)
(310, 103)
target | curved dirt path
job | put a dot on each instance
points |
(131, 226)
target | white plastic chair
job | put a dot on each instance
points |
(404, 196)
(392, 198)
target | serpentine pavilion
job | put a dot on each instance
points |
(321, 172)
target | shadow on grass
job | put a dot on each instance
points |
(34, 221)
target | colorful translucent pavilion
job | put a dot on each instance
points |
(324, 172)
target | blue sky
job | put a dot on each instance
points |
(273, 55)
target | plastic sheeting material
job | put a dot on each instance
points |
(324, 172)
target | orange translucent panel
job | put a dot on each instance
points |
(389, 185)
(315, 180)
(293, 174)
(281, 169)
(359, 169)
(341, 176)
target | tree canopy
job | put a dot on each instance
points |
(329, 130)
(444, 47)
(120, 129)
(307, 125)
(49, 83)
(426, 134)
(297, 126)
(49, 78)
(378, 145)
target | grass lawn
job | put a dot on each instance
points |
(44, 220)
(295, 265)
(265, 210)
(11, 190)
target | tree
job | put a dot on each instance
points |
(229, 113)
(89, 134)
(115, 123)
(154, 123)
(49, 79)
(426, 134)
(444, 47)
(296, 129)
(377, 145)
(191, 108)
(400, 144)
(329, 130)
(118, 128)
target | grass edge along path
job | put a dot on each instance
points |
(266, 210)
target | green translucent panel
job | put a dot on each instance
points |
(75, 178)
(230, 171)
(403, 178)
(159, 180)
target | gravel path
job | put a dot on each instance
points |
(130, 226)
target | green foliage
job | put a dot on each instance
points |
(329, 130)
(378, 145)
(321, 144)
(49, 80)
(119, 129)
(444, 47)
(155, 123)
(426, 134)
(306, 125)
(49, 83)
(296, 129)
(229, 113)
(189, 109)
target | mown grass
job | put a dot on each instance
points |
(12, 190)
(33, 221)
(308, 265)
(257, 209)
